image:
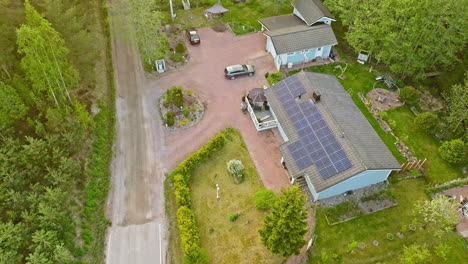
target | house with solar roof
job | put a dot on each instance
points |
(327, 141)
(300, 37)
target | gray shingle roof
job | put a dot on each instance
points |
(311, 10)
(358, 139)
(301, 37)
(216, 9)
(279, 22)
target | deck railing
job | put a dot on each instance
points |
(260, 125)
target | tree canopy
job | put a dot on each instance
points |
(285, 226)
(457, 102)
(439, 214)
(413, 37)
(45, 60)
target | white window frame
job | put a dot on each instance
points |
(291, 53)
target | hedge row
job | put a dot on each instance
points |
(445, 186)
(202, 155)
(189, 235)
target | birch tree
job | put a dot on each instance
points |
(45, 59)
(439, 214)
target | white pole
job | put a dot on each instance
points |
(217, 191)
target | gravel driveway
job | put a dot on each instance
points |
(204, 74)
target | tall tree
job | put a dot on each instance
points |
(12, 107)
(411, 36)
(284, 228)
(457, 102)
(45, 58)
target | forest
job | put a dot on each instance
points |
(56, 130)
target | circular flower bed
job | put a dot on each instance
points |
(180, 108)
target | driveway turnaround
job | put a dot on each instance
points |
(205, 75)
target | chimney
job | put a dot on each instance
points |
(316, 96)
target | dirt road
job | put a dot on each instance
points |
(136, 200)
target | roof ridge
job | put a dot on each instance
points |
(306, 28)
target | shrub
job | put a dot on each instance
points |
(274, 78)
(264, 199)
(426, 121)
(205, 152)
(177, 57)
(175, 96)
(184, 122)
(234, 217)
(199, 257)
(236, 169)
(409, 95)
(182, 195)
(170, 119)
(323, 256)
(352, 245)
(189, 235)
(220, 27)
(180, 48)
(453, 151)
(442, 250)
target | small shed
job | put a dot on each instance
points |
(215, 11)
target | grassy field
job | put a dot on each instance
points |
(357, 79)
(226, 241)
(240, 14)
(422, 145)
(366, 228)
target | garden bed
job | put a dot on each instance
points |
(180, 108)
(363, 201)
(336, 240)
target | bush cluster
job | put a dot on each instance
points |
(175, 96)
(189, 234)
(236, 169)
(197, 158)
(409, 95)
(180, 48)
(264, 199)
(170, 119)
(453, 151)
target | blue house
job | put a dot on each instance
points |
(327, 141)
(303, 36)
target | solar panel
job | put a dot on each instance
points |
(317, 144)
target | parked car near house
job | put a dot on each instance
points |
(231, 72)
(193, 36)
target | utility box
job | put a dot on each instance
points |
(160, 66)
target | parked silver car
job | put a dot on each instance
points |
(231, 72)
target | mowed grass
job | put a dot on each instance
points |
(366, 228)
(357, 79)
(241, 14)
(226, 241)
(422, 145)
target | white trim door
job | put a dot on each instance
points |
(318, 52)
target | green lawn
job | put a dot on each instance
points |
(359, 80)
(366, 228)
(422, 145)
(226, 241)
(240, 14)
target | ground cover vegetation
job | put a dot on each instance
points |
(232, 217)
(387, 236)
(50, 211)
(180, 107)
(242, 16)
(143, 23)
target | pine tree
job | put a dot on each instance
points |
(284, 228)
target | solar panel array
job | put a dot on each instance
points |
(317, 144)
